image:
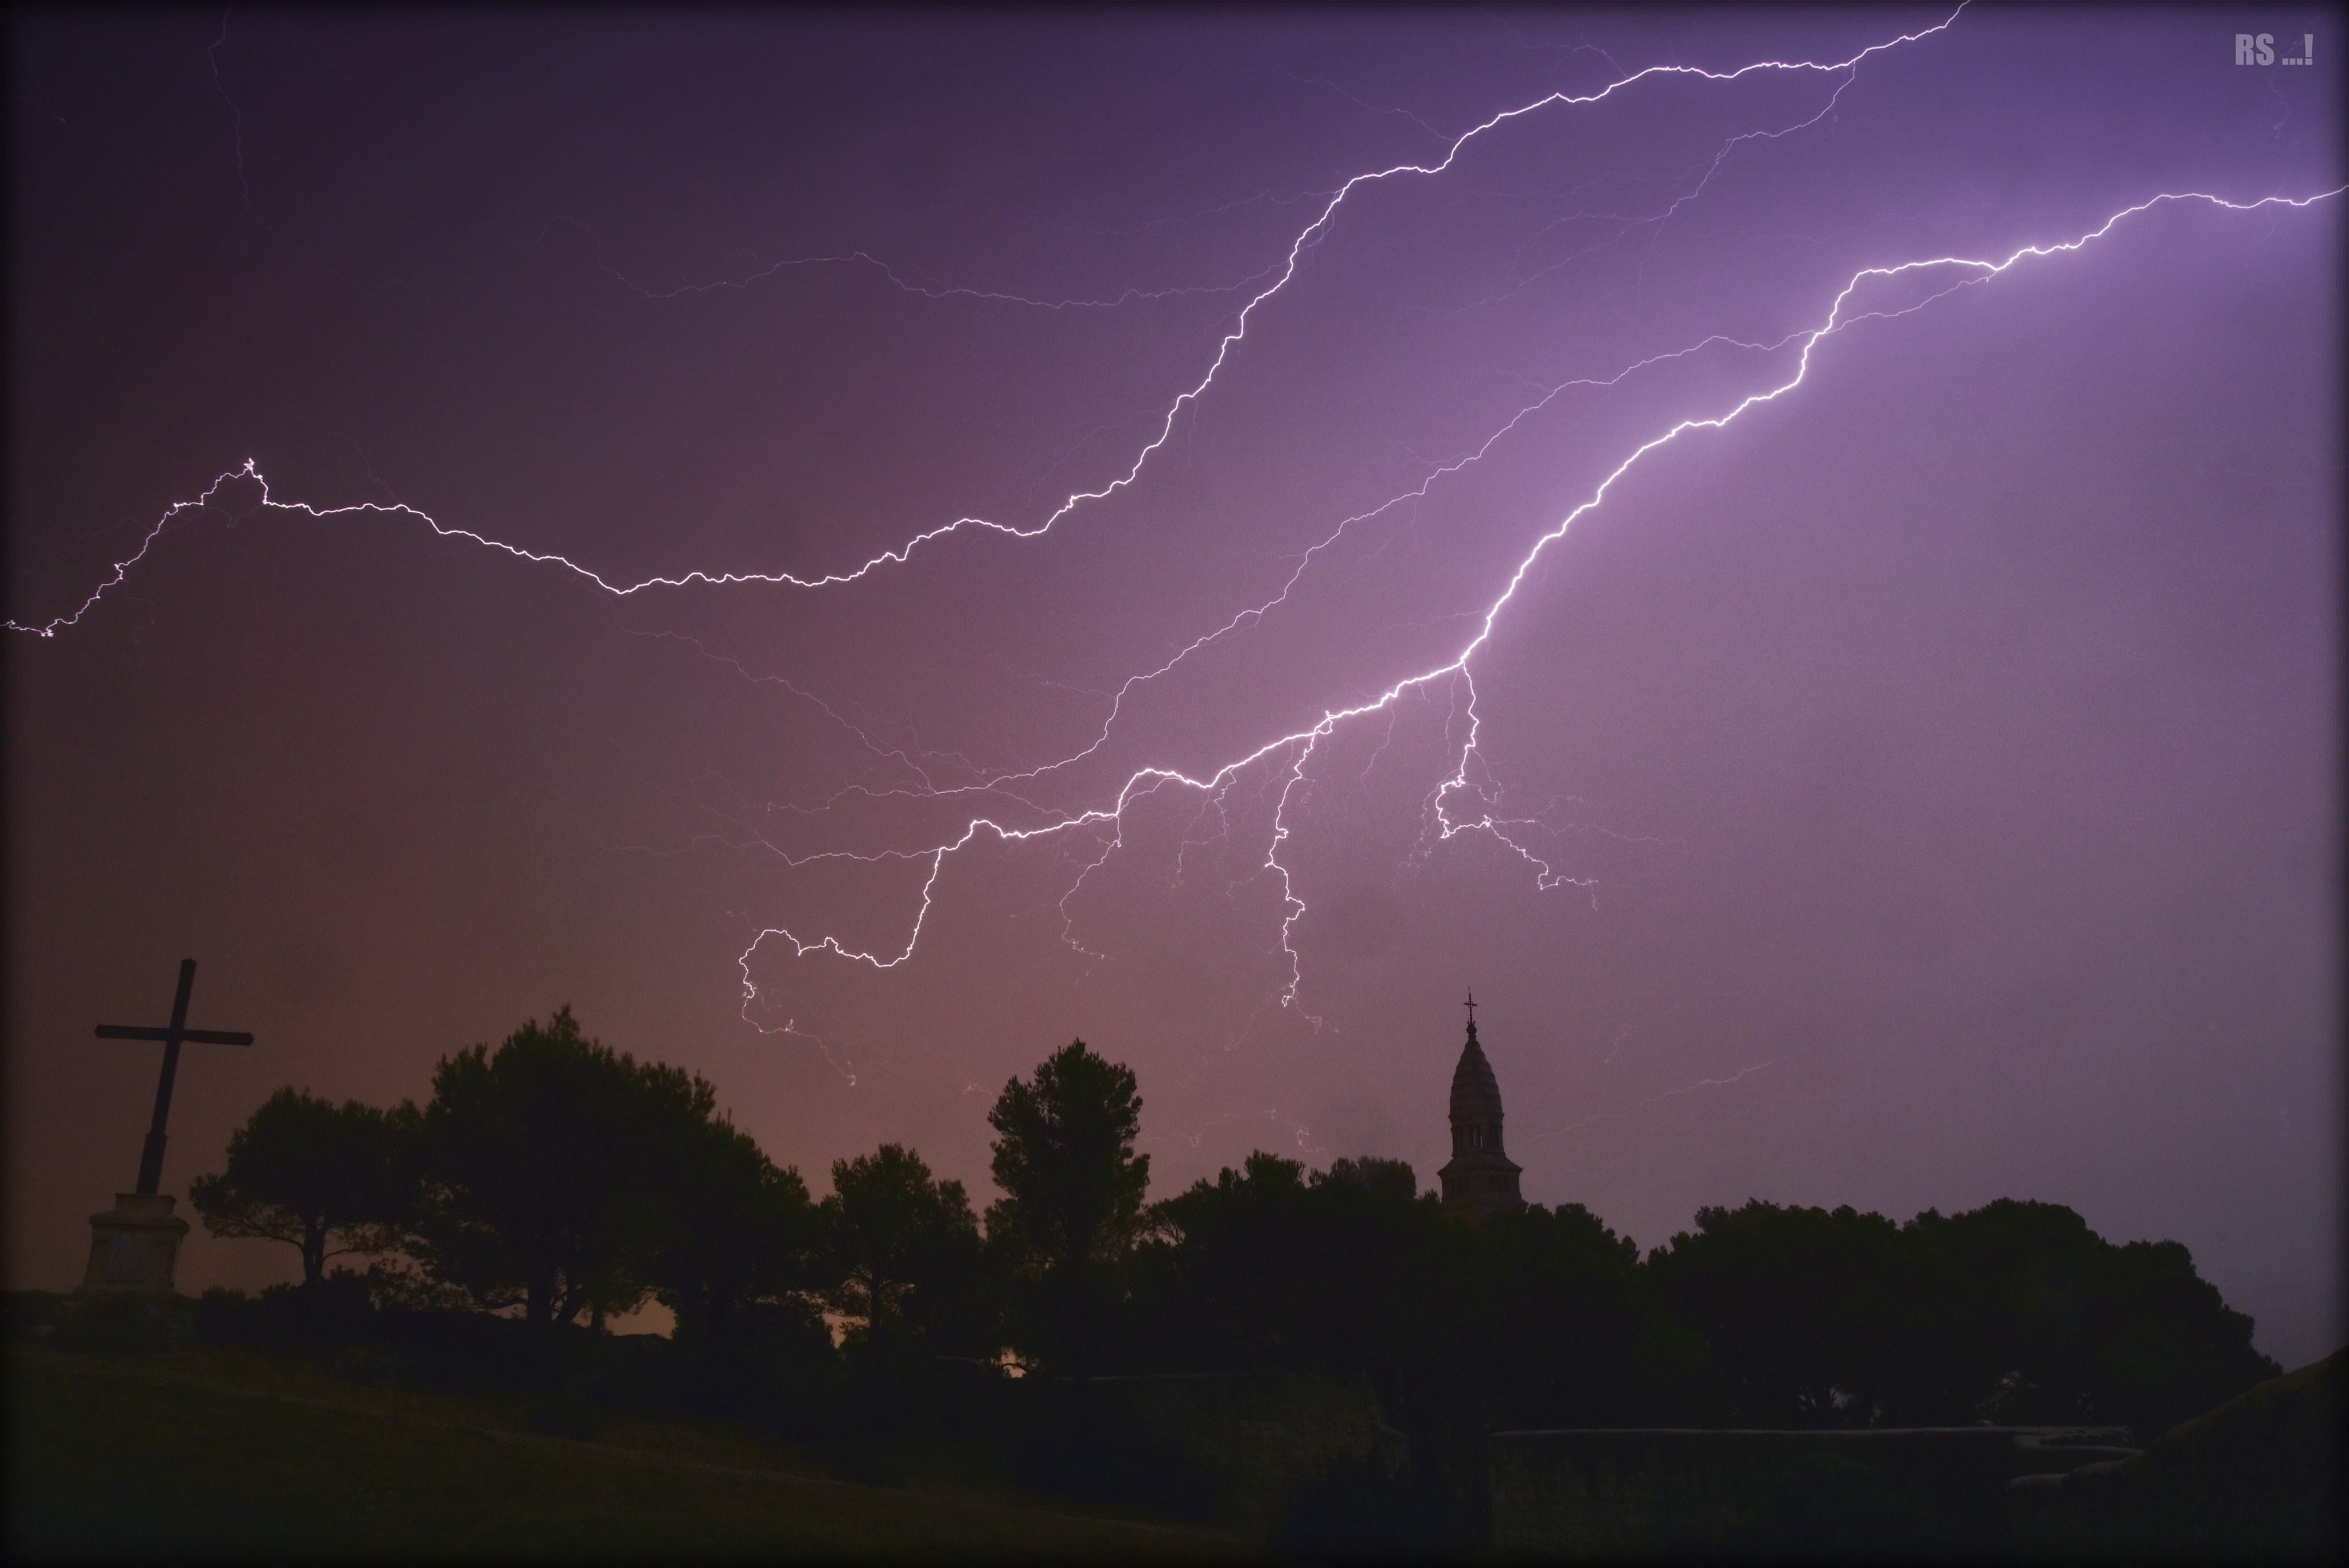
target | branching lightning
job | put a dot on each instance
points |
(1293, 750)
(1465, 801)
(1306, 237)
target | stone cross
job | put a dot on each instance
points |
(150, 1159)
(136, 1246)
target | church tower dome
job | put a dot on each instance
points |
(1481, 1178)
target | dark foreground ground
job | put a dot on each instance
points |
(2259, 1479)
(222, 1453)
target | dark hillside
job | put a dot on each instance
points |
(234, 1455)
(2260, 1476)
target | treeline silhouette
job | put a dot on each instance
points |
(553, 1183)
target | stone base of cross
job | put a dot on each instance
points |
(134, 1247)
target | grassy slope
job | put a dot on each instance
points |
(222, 1454)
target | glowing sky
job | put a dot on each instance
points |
(854, 552)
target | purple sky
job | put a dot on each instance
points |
(1918, 791)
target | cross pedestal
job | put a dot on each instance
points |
(135, 1247)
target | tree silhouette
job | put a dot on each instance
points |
(1071, 1208)
(558, 1174)
(325, 1178)
(1238, 1271)
(2019, 1312)
(1566, 1320)
(1794, 1305)
(553, 1165)
(736, 1233)
(2016, 1312)
(905, 1249)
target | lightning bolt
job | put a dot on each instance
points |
(1294, 748)
(1736, 1077)
(1457, 804)
(1306, 238)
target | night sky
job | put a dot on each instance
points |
(1918, 790)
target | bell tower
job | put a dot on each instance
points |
(1481, 1179)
